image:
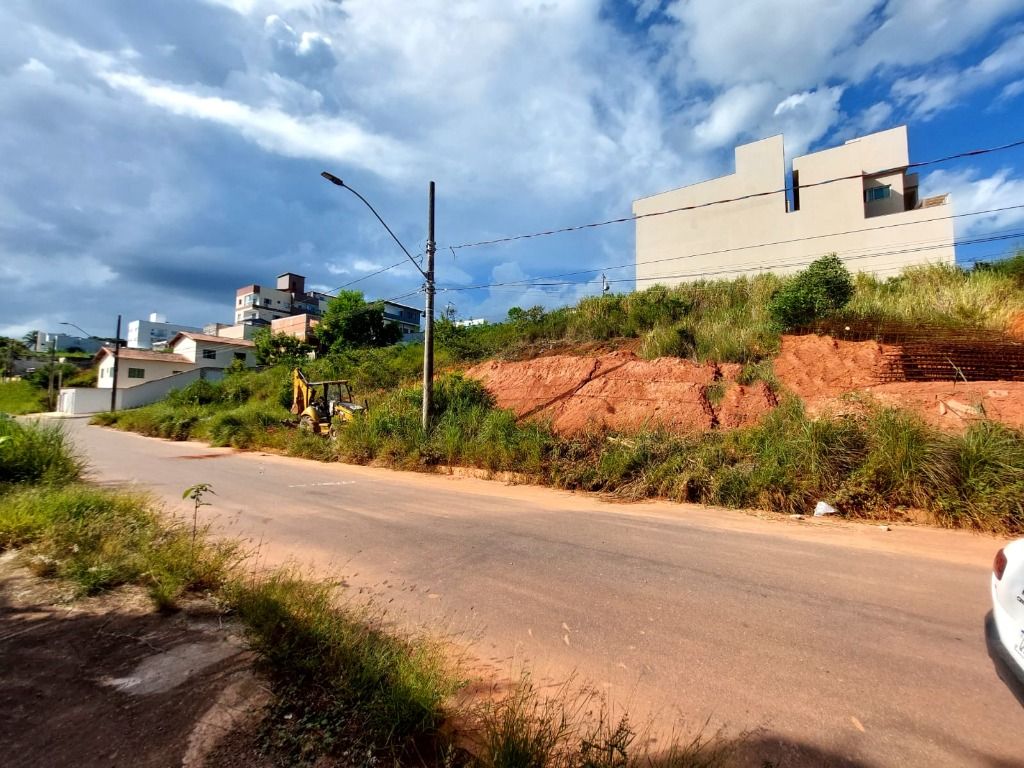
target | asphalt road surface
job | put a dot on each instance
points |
(837, 643)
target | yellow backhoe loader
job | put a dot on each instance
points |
(322, 404)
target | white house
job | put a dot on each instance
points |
(187, 351)
(205, 351)
(137, 366)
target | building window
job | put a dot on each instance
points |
(877, 193)
(209, 354)
(136, 373)
(240, 356)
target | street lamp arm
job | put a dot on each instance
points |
(87, 334)
(338, 182)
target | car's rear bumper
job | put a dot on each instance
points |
(1007, 667)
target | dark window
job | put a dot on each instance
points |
(240, 356)
(136, 373)
(877, 193)
(209, 354)
(796, 190)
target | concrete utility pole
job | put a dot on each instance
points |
(428, 331)
(428, 276)
(49, 387)
(117, 356)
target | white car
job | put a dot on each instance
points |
(1006, 631)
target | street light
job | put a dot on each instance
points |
(428, 276)
(117, 349)
(87, 334)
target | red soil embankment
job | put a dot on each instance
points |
(820, 370)
(819, 367)
(619, 391)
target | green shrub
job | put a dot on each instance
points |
(198, 392)
(36, 452)
(811, 294)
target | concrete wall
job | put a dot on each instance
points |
(730, 239)
(84, 400)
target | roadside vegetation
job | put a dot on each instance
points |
(874, 464)
(21, 397)
(344, 681)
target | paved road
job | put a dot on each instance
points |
(847, 644)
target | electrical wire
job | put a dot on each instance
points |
(608, 268)
(534, 282)
(750, 196)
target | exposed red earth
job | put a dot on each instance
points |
(620, 391)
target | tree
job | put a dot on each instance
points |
(811, 294)
(350, 323)
(10, 350)
(30, 339)
(273, 348)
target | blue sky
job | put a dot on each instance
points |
(156, 156)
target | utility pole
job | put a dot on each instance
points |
(117, 355)
(428, 331)
(49, 388)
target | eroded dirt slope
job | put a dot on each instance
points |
(619, 391)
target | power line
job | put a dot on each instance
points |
(750, 196)
(774, 243)
(742, 268)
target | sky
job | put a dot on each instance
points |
(158, 155)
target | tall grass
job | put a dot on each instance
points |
(36, 453)
(21, 397)
(941, 295)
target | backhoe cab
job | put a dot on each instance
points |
(321, 404)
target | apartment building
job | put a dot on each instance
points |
(873, 217)
(261, 305)
(143, 334)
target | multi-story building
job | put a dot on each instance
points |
(62, 342)
(855, 200)
(405, 317)
(260, 305)
(143, 334)
(292, 310)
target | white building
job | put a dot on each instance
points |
(187, 351)
(143, 334)
(873, 217)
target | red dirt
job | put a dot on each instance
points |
(617, 391)
(744, 405)
(952, 406)
(1015, 327)
(817, 367)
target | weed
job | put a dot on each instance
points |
(20, 397)
(35, 452)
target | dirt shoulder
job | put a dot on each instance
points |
(107, 681)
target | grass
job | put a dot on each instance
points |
(867, 466)
(344, 682)
(20, 397)
(36, 453)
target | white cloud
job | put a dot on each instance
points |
(973, 193)
(316, 137)
(805, 117)
(734, 113)
(928, 94)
